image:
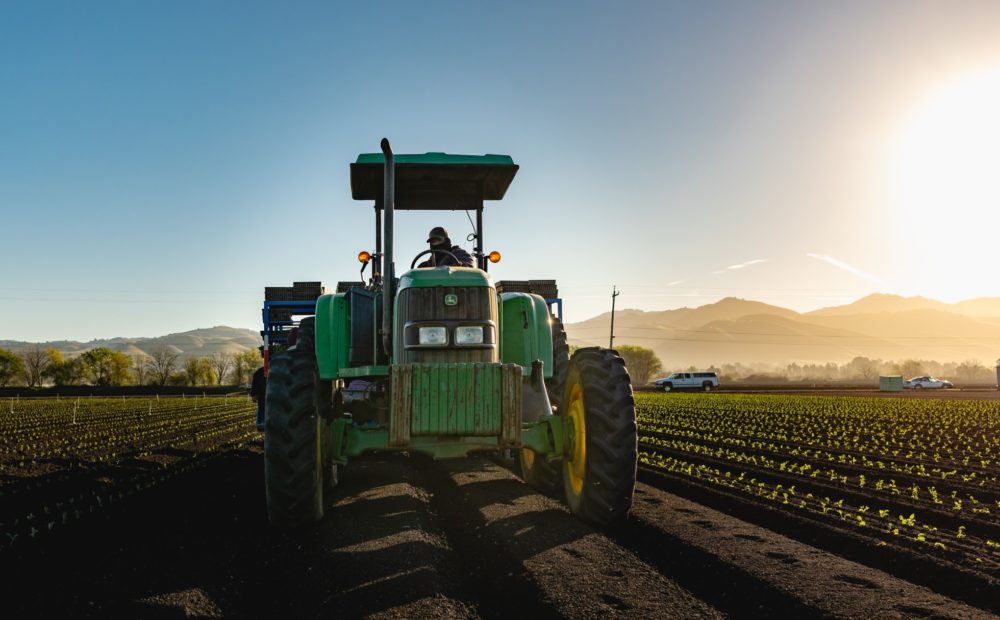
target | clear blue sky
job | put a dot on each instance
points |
(161, 162)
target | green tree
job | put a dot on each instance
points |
(199, 371)
(244, 365)
(61, 371)
(11, 367)
(102, 366)
(641, 362)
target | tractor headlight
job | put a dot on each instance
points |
(433, 336)
(469, 334)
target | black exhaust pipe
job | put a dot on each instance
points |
(389, 270)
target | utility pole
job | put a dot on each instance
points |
(614, 293)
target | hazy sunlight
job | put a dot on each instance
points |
(944, 168)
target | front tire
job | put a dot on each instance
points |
(599, 468)
(293, 476)
(667, 387)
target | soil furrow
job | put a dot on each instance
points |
(762, 569)
(950, 581)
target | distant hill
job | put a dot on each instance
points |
(750, 332)
(196, 343)
(881, 303)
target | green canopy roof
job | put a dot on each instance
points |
(435, 181)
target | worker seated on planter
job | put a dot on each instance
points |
(439, 240)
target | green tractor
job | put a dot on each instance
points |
(438, 362)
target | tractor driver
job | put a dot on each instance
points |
(439, 240)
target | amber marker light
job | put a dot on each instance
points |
(364, 257)
(494, 256)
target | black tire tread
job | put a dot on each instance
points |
(612, 444)
(293, 488)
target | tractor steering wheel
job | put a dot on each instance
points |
(414, 263)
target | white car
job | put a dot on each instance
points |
(705, 381)
(927, 383)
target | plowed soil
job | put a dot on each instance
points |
(409, 538)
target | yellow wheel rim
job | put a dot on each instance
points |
(576, 466)
(527, 458)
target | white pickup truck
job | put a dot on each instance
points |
(705, 381)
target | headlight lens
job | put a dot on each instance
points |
(433, 335)
(469, 334)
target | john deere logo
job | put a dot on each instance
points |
(451, 300)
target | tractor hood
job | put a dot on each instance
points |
(435, 181)
(444, 277)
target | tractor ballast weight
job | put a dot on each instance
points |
(437, 361)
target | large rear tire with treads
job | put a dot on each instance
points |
(600, 466)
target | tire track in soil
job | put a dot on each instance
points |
(200, 546)
(543, 561)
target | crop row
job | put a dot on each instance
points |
(918, 473)
(63, 460)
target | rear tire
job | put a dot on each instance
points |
(293, 475)
(560, 362)
(599, 469)
(707, 387)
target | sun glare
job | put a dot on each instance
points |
(945, 171)
(948, 157)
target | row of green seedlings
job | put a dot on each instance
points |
(938, 431)
(42, 414)
(120, 431)
(958, 488)
(879, 523)
(848, 451)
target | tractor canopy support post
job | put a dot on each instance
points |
(480, 260)
(377, 259)
(388, 199)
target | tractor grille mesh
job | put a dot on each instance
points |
(427, 304)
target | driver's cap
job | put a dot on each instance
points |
(437, 233)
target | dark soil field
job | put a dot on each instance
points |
(405, 537)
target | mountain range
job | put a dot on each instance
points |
(731, 330)
(197, 343)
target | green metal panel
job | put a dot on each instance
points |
(526, 333)
(333, 337)
(454, 399)
(444, 277)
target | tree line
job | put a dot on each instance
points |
(860, 369)
(38, 367)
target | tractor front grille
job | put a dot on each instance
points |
(427, 306)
